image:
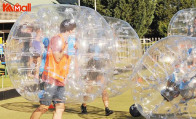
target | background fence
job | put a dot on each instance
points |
(147, 42)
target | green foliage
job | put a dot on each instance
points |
(108, 7)
(72, 2)
(150, 8)
(87, 3)
(104, 7)
(139, 14)
(147, 17)
(165, 9)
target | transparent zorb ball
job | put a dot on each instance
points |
(183, 23)
(128, 52)
(50, 51)
(163, 84)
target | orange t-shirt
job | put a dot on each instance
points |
(55, 72)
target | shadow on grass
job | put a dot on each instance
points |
(93, 112)
(22, 107)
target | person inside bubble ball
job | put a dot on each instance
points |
(36, 50)
(192, 29)
(96, 63)
(32, 44)
(182, 81)
(39, 50)
(24, 32)
(55, 72)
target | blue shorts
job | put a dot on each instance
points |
(51, 93)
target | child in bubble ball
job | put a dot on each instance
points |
(180, 83)
(55, 72)
(96, 63)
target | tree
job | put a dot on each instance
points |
(147, 17)
(150, 8)
(104, 7)
(139, 14)
(165, 9)
(73, 2)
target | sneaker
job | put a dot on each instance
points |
(83, 109)
(108, 111)
(169, 94)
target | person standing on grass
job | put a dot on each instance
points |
(96, 76)
(55, 72)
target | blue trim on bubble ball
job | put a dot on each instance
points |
(189, 51)
(71, 43)
(173, 78)
(46, 43)
(183, 84)
(41, 94)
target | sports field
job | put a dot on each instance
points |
(19, 108)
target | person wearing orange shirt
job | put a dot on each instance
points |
(55, 72)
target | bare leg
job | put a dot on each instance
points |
(83, 106)
(59, 109)
(105, 98)
(104, 93)
(88, 90)
(106, 102)
(39, 111)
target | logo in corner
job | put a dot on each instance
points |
(16, 8)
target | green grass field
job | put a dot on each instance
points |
(19, 108)
(6, 82)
